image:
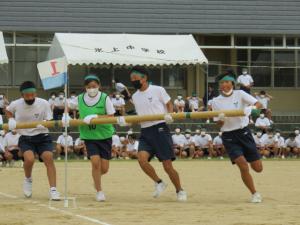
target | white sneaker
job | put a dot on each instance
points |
(256, 198)
(282, 157)
(209, 157)
(159, 188)
(27, 187)
(182, 196)
(221, 157)
(85, 158)
(100, 197)
(58, 158)
(54, 195)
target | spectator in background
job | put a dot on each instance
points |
(59, 106)
(194, 103)
(281, 144)
(3, 103)
(131, 148)
(269, 143)
(257, 138)
(203, 145)
(262, 122)
(245, 81)
(116, 146)
(297, 133)
(2, 149)
(51, 100)
(79, 148)
(121, 88)
(12, 150)
(73, 108)
(178, 142)
(218, 146)
(209, 95)
(189, 145)
(119, 105)
(264, 99)
(292, 147)
(179, 104)
(60, 145)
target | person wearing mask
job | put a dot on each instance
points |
(119, 105)
(30, 108)
(204, 145)
(155, 138)
(12, 150)
(59, 106)
(218, 146)
(179, 104)
(122, 89)
(262, 122)
(3, 103)
(178, 142)
(264, 99)
(51, 100)
(245, 81)
(189, 145)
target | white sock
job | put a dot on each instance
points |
(52, 188)
(28, 179)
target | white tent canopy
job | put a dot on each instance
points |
(3, 55)
(126, 49)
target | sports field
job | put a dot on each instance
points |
(215, 191)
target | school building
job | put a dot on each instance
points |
(262, 35)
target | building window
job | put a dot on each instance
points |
(284, 77)
(261, 41)
(261, 67)
(174, 76)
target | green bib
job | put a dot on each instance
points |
(93, 131)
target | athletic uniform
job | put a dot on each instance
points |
(245, 80)
(97, 138)
(236, 136)
(11, 144)
(38, 139)
(155, 136)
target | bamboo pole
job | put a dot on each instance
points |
(131, 119)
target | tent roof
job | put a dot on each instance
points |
(126, 49)
(3, 55)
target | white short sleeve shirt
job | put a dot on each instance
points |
(245, 80)
(61, 140)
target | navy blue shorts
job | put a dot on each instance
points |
(240, 143)
(157, 141)
(38, 144)
(99, 147)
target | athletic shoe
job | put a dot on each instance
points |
(282, 157)
(159, 188)
(208, 157)
(27, 187)
(58, 158)
(181, 196)
(256, 198)
(100, 197)
(54, 194)
(85, 158)
(221, 157)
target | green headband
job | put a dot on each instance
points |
(228, 78)
(92, 77)
(28, 90)
(137, 72)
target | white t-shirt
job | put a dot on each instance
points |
(202, 141)
(245, 80)
(116, 141)
(178, 139)
(58, 102)
(70, 103)
(281, 142)
(51, 102)
(120, 87)
(11, 140)
(262, 122)
(132, 147)
(265, 140)
(189, 141)
(40, 110)
(237, 101)
(78, 142)
(292, 144)
(118, 102)
(110, 110)
(2, 102)
(150, 102)
(257, 140)
(61, 140)
(297, 138)
(264, 101)
(217, 141)
(194, 102)
(180, 103)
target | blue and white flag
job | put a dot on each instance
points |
(53, 73)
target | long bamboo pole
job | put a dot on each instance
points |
(131, 119)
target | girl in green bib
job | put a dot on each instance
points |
(97, 138)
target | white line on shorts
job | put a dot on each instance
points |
(90, 219)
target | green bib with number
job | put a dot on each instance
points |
(93, 131)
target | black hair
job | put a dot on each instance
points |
(262, 92)
(139, 69)
(117, 80)
(91, 79)
(53, 93)
(292, 135)
(27, 84)
(133, 136)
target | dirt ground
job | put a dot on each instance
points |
(215, 191)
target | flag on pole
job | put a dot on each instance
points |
(53, 73)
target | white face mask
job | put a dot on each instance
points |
(270, 136)
(228, 93)
(53, 97)
(278, 134)
(122, 139)
(92, 92)
(177, 131)
(2, 132)
(262, 116)
(117, 96)
(179, 97)
(258, 134)
(73, 96)
(202, 133)
(61, 96)
(197, 132)
(187, 135)
(245, 72)
(1, 96)
(220, 134)
(296, 132)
